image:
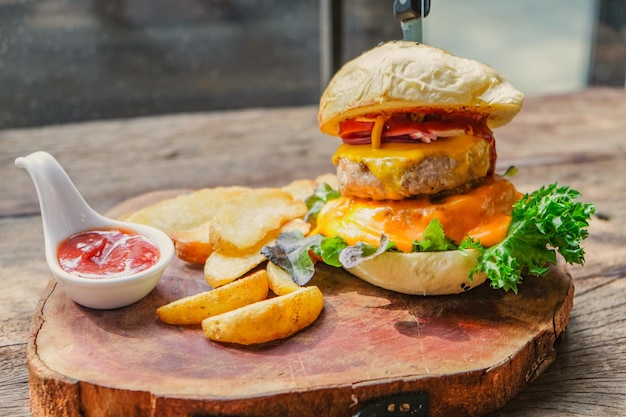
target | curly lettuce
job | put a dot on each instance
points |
(543, 223)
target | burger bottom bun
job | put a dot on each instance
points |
(421, 273)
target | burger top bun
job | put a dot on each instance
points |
(406, 76)
(421, 273)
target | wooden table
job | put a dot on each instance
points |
(577, 139)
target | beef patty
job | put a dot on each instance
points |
(397, 171)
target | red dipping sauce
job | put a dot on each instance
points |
(107, 253)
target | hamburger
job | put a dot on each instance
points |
(419, 207)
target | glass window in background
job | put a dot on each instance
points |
(69, 60)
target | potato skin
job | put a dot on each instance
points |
(279, 280)
(267, 320)
(193, 245)
(195, 308)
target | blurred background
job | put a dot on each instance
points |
(65, 61)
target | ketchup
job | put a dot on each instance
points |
(107, 253)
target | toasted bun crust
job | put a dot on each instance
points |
(421, 273)
(403, 76)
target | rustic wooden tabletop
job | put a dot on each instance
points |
(576, 139)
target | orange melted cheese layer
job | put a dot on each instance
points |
(482, 213)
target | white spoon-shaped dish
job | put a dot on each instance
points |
(65, 213)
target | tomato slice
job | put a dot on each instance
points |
(401, 127)
(352, 127)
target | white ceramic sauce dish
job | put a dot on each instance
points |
(65, 213)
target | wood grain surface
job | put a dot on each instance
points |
(368, 343)
(575, 139)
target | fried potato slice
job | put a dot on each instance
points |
(250, 217)
(221, 268)
(296, 224)
(186, 211)
(279, 280)
(195, 308)
(300, 189)
(193, 245)
(267, 320)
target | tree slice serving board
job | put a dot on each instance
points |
(461, 355)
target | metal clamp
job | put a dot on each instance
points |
(413, 404)
(411, 14)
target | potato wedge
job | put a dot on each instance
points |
(193, 245)
(250, 217)
(279, 280)
(195, 308)
(222, 268)
(267, 320)
(185, 211)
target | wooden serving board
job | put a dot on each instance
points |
(462, 355)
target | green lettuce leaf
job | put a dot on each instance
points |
(321, 195)
(548, 221)
(351, 256)
(291, 252)
(434, 239)
(329, 250)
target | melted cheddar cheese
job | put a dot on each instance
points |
(463, 158)
(482, 213)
